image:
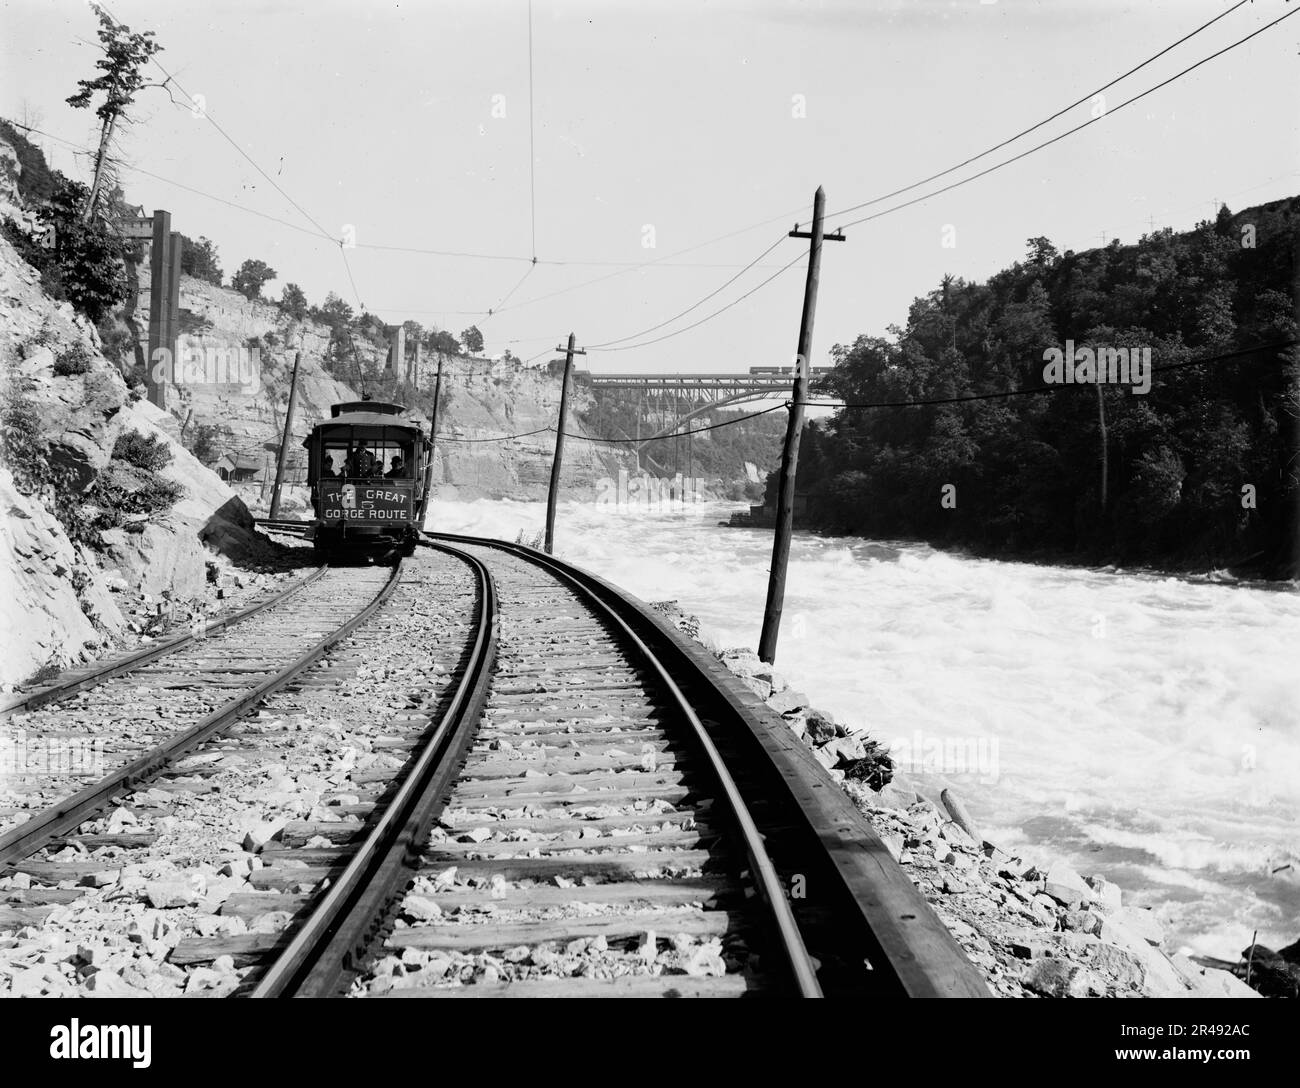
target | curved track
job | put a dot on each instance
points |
(343, 921)
(581, 802)
(611, 814)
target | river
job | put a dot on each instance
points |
(1144, 727)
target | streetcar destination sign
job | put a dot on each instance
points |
(363, 502)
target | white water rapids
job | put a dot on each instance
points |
(1140, 726)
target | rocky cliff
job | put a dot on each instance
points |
(233, 373)
(103, 510)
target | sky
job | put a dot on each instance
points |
(686, 133)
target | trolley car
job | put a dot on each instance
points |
(370, 467)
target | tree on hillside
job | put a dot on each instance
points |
(251, 277)
(442, 341)
(335, 313)
(1132, 473)
(199, 259)
(473, 340)
(370, 323)
(293, 301)
(1042, 253)
(124, 56)
(208, 441)
(79, 261)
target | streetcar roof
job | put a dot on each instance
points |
(372, 419)
(382, 407)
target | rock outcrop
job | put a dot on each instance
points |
(234, 371)
(65, 408)
(1033, 932)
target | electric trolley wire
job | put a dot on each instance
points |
(608, 345)
(658, 261)
(887, 211)
(228, 138)
(492, 312)
(532, 154)
(121, 164)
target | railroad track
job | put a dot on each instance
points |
(562, 796)
(288, 526)
(158, 704)
(610, 816)
(72, 681)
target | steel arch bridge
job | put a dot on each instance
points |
(659, 399)
(655, 394)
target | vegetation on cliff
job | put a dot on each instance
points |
(1200, 470)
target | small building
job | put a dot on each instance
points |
(764, 517)
(236, 468)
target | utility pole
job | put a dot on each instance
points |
(554, 492)
(162, 366)
(790, 454)
(284, 440)
(1101, 433)
(433, 423)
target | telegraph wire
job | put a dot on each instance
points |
(1045, 388)
(721, 310)
(982, 173)
(680, 434)
(1068, 132)
(609, 345)
(632, 336)
(230, 140)
(615, 441)
(504, 308)
(1044, 121)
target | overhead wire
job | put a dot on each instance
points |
(716, 313)
(619, 343)
(615, 441)
(1068, 132)
(1054, 387)
(1046, 120)
(532, 154)
(609, 345)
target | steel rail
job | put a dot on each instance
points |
(802, 970)
(348, 917)
(282, 525)
(58, 692)
(64, 816)
(911, 949)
